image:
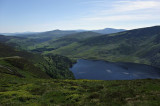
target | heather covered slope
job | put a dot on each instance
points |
(34, 91)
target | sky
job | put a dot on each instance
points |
(45, 15)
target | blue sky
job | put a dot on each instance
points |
(44, 15)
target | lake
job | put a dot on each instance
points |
(102, 70)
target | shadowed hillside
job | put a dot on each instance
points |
(54, 66)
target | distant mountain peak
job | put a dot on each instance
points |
(108, 30)
(57, 30)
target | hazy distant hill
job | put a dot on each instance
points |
(59, 33)
(28, 40)
(63, 41)
(18, 33)
(51, 34)
(108, 30)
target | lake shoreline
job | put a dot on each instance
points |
(114, 62)
(104, 70)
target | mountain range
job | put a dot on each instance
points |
(137, 45)
(59, 32)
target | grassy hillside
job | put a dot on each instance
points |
(54, 66)
(62, 41)
(39, 92)
(139, 46)
(46, 41)
(20, 67)
(20, 42)
(32, 40)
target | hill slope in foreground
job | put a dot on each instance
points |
(16, 90)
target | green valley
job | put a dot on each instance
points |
(79, 52)
(139, 46)
(34, 70)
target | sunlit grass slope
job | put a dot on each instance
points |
(16, 90)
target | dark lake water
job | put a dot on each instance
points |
(101, 70)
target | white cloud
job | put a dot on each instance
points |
(122, 18)
(127, 10)
(136, 5)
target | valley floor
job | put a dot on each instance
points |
(41, 92)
